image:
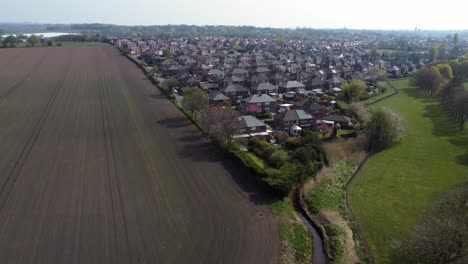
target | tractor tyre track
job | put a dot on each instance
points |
(12, 176)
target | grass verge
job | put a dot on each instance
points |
(295, 240)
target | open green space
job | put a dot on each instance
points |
(465, 85)
(81, 44)
(395, 186)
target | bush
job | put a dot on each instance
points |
(293, 143)
(286, 178)
(278, 158)
(364, 97)
(385, 128)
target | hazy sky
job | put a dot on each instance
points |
(369, 14)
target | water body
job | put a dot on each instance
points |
(319, 255)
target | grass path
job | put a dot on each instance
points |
(394, 187)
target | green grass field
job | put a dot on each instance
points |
(465, 85)
(394, 187)
(81, 44)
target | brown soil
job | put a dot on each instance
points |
(99, 167)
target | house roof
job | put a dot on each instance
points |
(235, 88)
(217, 96)
(215, 72)
(239, 71)
(291, 84)
(265, 87)
(336, 80)
(259, 98)
(337, 118)
(250, 121)
(309, 105)
(294, 115)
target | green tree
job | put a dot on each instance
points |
(445, 70)
(195, 100)
(442, 234)
(442, 52)
(33, 40)
(433, 53)
(167, 53)
(172, 82)
(10, 41)
(455, 48)
(50, 43)
(155, 69)
(461, 108)
(385, 128)
(353, 90)
(428, 79)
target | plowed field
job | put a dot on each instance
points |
(97, 166)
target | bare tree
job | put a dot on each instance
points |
(360, 113)
(221, 123)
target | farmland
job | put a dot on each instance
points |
(99, 167)
(395, 187)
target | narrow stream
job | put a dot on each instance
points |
(319, 255)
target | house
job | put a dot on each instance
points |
(216, 74)
(335, 82)
(265, 88)
(291, 86)
(317, 111)
(293, 121)
(343, 121)
(240, 72)
(264, 102)
(249, 126)
(235, 91)
(217, 97)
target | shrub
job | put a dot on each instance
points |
(385, 128)
(286, 178)
(278, 158)
(293, 142)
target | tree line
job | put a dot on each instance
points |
(446, 82)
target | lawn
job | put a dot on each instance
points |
(465, 85)
(394, 187)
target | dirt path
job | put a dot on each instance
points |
(98, 167)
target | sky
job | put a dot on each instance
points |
(356, 14)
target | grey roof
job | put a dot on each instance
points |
(291, 84)
(235, 88)
(294, 115)
(262, 69)
(217, 96)
(301, 114)
(336, 80)
(251, 121)
(259, 98)
(337, 118)
(239, 71)
(215, 72)
(265, 87)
